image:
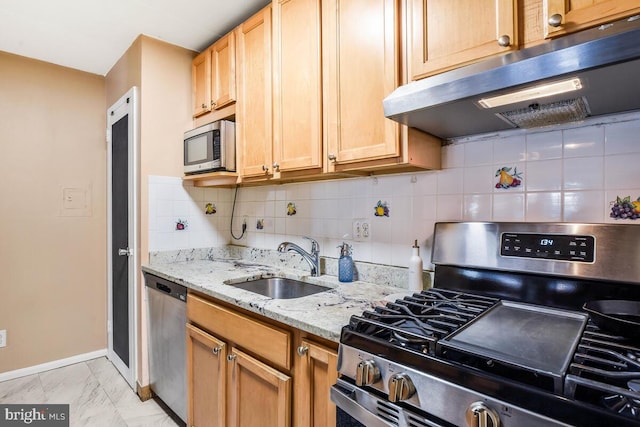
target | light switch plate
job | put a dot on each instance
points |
(76, 200)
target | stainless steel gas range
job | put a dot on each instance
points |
(502, 339)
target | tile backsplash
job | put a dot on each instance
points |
(566, 174)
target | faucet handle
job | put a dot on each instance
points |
(315, 246)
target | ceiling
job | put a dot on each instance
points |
(91, 35)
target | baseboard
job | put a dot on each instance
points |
(144, 393)
(18, 373)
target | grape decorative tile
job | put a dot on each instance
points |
(625, 208)
(181, 224)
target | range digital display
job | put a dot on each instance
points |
(557, 247)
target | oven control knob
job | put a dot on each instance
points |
(367, 373)
(400, 387)
(480, 415)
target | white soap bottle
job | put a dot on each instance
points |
(415, 269)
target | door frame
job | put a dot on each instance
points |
(126, 105)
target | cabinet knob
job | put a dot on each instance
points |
(302, 350)
(213, 103)
(204, 105)
(231, 357)
(265, 168)
(504, 41)
(276, 166)
(216, 350)
(555, 20)
(332, 157)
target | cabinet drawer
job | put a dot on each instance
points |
(264, 340)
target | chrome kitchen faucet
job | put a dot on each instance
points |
(312, 258)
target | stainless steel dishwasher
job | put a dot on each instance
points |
(166, 320)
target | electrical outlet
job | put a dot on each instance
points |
(3, 338)
(361, 230)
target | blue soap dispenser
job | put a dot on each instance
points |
(345, 263)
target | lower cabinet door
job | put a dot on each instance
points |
(206, 364)
(316, 372)
(259, 396)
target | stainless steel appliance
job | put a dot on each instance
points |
(501, 340)
(210, 148)
(605, 61)
(166, 320)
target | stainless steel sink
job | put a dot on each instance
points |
(280, 287)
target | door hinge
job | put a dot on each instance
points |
(108, 135)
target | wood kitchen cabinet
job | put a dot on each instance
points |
(206, 379)
(316, 372)
(362, 65)
(254, 118)
(259, 395)
(297, 86)
(567, 16)
(213, 75)
(242, 370)
(237, 368)
(201, 83)
(361, 52)
(445, 35)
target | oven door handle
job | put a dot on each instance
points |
(342, 398)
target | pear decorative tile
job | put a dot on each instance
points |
(210, 209)
(381, 209)
(508, 177)
(291, 209)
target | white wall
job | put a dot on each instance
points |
(569, 174)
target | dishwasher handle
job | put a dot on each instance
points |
(167, 287)
(163, 288)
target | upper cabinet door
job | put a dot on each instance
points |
(567, 16)
(223, 71)
(297, 85)
(445, 34)
(201, 83)
(361, 52)
(254, 109)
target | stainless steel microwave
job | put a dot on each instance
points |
(211, 147)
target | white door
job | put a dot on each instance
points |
(123, 259)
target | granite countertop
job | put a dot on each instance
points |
(322, 314)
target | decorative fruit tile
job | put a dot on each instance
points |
(508, 177)
(210, 209)
(260, 224)
(625, 208)
(291, 209)
(381, 209)
(181, 224)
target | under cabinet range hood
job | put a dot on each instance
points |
(590, 73)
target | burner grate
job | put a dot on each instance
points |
(605, 371)
(420, 320)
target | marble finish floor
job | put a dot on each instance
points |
(96, 392)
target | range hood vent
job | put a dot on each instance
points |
(536, 115)
(590, 73)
